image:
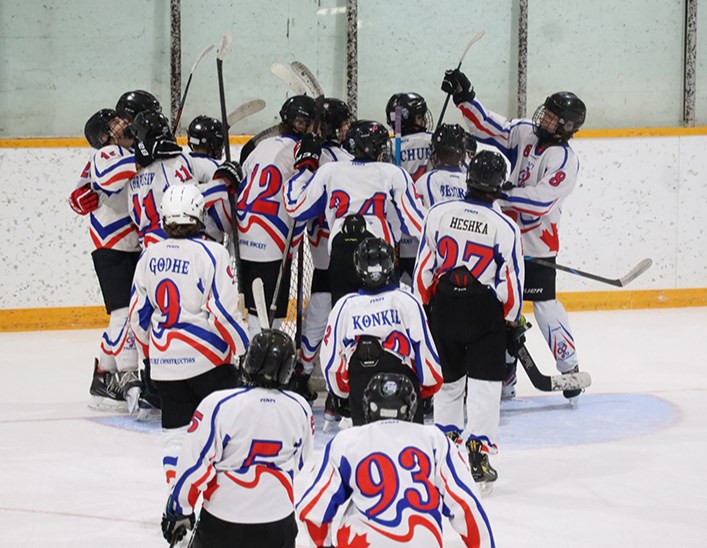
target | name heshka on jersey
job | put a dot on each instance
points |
(384, 317)
(469, 225)
(141, 179)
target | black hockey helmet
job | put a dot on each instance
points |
(270, 359)
(334, 113)
(96, 130)
(487, 172)
(151, 124)
(411, 106)
(368, 140)
(132, 103)
(206, 132)
(374, 259)
(570, 111)
(448, 145)
(297, 106)
(470, 144)
(389, 396)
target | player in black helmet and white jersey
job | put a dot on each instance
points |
(469, 273)
(544, 171)
(382, 328)
(245, 474)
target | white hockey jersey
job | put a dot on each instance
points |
(382, 193)
(146, 189)
(472, 234)
(184, 308)
(109, 170)
(263, 223)
(543, 177)
(415, 159)
(397, 319)
(218, 208)
(440, 185)
(394, 481)
(242, 451)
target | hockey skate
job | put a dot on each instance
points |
(131, 386)
(481, 470)
(105, 391)
(572, 395)
(508, 389)
(149, 401)
(331, 416)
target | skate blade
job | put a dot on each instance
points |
(329, 426)
(573, 402)
(485, 488)
(148, 415)
(108, 405)
(345, 423)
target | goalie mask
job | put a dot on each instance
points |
(389, 396)
(414, 114)
(375, 262)
(182, 205)
(559, 117)
(368, 140)
(206, 133)
(487, 172)
(270, 359)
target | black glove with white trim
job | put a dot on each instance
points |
(458, 86)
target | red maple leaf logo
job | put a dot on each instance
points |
(551, 239)
(358, 541)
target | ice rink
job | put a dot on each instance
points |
(624, 469)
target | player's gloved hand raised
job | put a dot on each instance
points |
(515, 335)
(175, 526)
(309, 150)
(231, 173)
(458, 86)
(83, 200)
(150, 150)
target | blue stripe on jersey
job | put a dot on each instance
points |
(519, 200)
(172, 461)
(174, 497)
(293, 398)
(127, 160)
(322, 467)
(109, 229)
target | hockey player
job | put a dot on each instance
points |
(263, 223)
(184, 313)
(368, 186)
(447, 179)
(382, 328)
(544, 172)
(313, 151)
(416, 121)
(393, 480)
(101, 194)
(470, 273)
(243, 448)
(132, 103)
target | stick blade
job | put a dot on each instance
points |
(260, 306)
(571, 381)
(636, 271)
(288, 77)
(243, 111)
(478, 36)
(224, 46)
(307, 76)
(201, 56)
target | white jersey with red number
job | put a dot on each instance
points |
(263, 223)
(440, 185)
(395, 482)
(242, 450)
(415, 159)
(382, 193)
(146, 189)
(184, 308)
(475, 235)
(109, 170)
(396, 318)
(218, 219)
(543, 177)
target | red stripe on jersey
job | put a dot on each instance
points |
(473, 536)
(413, 521)
(411, 218)
(469, 115)
(274, 236)
(118, 177)
(425, 292)
(510, 303)
(208, 354)
(317, 533)
(259, 471)
(193, 496)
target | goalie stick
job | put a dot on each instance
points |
(546, 383)
(473, 41)
(178, 117)
(260, 306)
(634, 273)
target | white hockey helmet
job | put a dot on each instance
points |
(182, 205)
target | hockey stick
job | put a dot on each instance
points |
(546, 383)
(220, 54)
(398, 133)
(246, 109)
(289, 77)
(186, 88)
(260, 306)
(307, 76)
(473, 41)
(634, 273)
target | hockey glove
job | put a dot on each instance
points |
(159, 149)
(308, 153)
(175, 526)
(458, 86)
(231, 173)
(83, 200)
(515, 335)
